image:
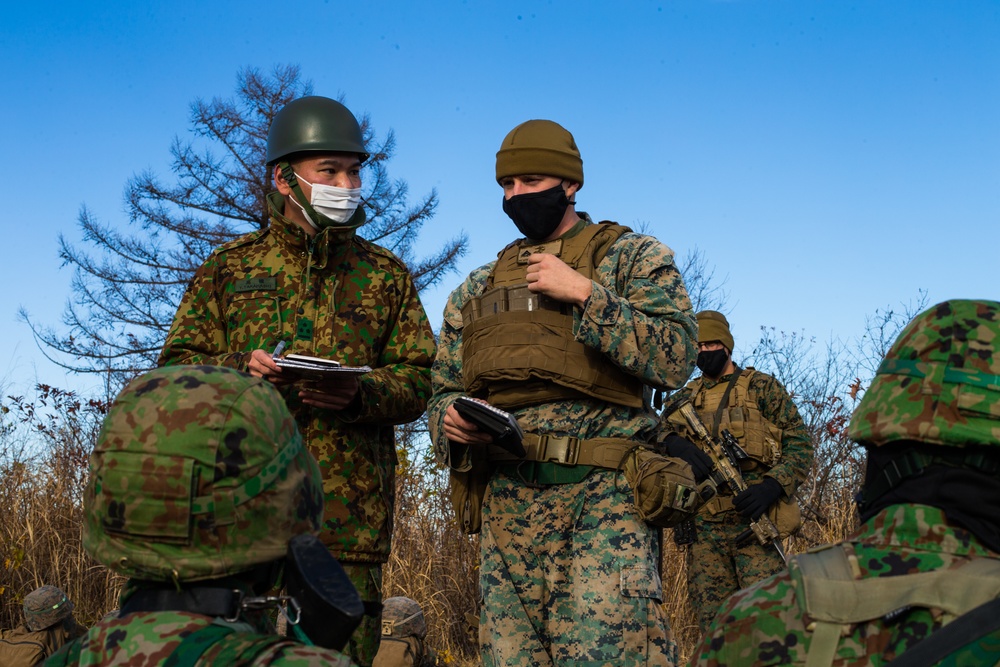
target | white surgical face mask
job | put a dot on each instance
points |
(337, 204)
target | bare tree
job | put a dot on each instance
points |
(128, 281)
(705, 290)
(881, 330)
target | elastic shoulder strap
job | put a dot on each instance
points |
(834, 599)
(825, 564)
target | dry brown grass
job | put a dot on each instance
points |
(433, 562)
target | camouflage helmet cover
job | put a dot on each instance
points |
(314, 124)
(940, 381)
(44, 607)
(403, 617)
(199, 472)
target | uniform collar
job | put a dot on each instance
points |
(329, 244)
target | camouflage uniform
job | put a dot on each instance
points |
(764, 624)
(931, 413)
(337, 296)
(197, 484)
(569, 573)
(717, 566)
(147, 638)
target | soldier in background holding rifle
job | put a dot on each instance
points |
(735, 540)
(726, 457)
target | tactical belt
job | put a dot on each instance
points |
(601, 452)
(223, 602)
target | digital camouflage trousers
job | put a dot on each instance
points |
(718, 567)
(569, 576)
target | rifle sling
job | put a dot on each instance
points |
(724, 402)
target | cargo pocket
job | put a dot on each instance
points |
(646, 635)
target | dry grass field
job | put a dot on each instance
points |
(45, 442)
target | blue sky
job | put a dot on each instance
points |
(829, 158)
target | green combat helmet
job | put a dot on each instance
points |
(939, 383)
(44, 607)
(199, 472)
(403, 617)
(314, 125)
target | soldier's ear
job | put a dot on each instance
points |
(279, 181)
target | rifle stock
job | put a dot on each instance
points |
(725, 472)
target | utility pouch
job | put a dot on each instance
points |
(467, 492)
(330, 605)
(663, 489)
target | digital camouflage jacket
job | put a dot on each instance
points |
(765, 625)
(335, 296)
(639, 315)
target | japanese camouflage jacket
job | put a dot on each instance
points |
(149, 638)
(335, 296)
(765, 625)
(639, 315)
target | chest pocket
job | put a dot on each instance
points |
(759, 437)
(742, 417)
(253, 319)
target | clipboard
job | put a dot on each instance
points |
(501, 425)
(316, 368)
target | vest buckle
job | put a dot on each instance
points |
(558, 449)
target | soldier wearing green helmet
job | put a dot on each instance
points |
(203, 494)
(919, 583)
(309, 285)
(570, 330)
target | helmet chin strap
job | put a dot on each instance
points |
(312, 217)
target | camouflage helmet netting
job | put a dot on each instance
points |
(44, 607)
(198, 472)
(940, 381)
(402, 617)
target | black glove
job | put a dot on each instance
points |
(754, 500)
(679, 448)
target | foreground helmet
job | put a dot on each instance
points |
(44, 607)
(403, 617)
(314, 125)
(940, 381)
(199, 472)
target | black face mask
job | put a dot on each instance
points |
(537, 214)
(711, 362)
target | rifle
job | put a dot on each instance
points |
(726, 457)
